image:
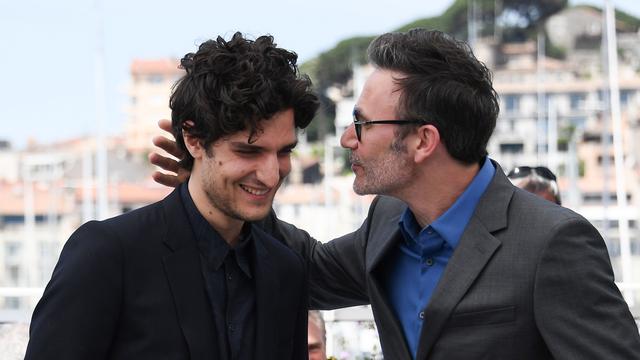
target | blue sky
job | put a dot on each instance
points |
(48, 47)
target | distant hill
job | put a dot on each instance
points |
(518, 21)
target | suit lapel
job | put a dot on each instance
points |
(472, 254)
(383, 236)
(267, 285)
(475, 248)
(184, 274)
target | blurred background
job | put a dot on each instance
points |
(84, 83)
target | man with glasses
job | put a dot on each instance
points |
(456, 262)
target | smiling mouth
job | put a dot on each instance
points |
(254, 191)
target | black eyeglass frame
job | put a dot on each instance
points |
(357, 124)
(524, 171)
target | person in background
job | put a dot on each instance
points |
(317, 336)
(193, 276)
(538, 180)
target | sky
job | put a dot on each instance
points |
(48, 49)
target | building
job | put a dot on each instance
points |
(149, 91)
(53, 192)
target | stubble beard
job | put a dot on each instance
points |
(385, 175)
(220, 200)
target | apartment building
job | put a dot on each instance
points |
(149, 91)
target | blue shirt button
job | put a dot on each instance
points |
(429, 262)
(421, 315)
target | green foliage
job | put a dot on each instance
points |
(323, 123)
(624, 21)
(453, 20)
(627, 22)
(554, 51)
(335, 66)
(519, 20)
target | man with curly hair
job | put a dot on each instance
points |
(191, 276)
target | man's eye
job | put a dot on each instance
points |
(285, 152)
(247, 151)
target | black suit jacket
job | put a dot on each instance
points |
(528, 280)
(131, 287)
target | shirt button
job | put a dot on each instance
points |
(229, 277)
(231, 328)
(429, 262)
(421, 315)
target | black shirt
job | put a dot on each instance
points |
(230, 286)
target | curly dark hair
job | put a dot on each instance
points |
(234, 85)
(443, 84)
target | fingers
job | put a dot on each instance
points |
(166, 179)
(167, 145)
(178, 174)
(165, 163)
(165, 125)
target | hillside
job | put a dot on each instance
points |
(517, 21)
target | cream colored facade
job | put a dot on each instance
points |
(149, 91)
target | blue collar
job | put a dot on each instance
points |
(452, 223)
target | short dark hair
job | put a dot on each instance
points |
(231, 86)
(443, 84)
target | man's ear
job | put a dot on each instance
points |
(193, 145)
(427, 141)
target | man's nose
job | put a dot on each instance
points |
(348, 139)
(268, 171)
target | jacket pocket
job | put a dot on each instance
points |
(493, 316)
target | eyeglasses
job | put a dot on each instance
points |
(357, 123)
(524, 171)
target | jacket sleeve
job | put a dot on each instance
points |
(337, 272)
(579, 311)
(78, 313)
(300, 341)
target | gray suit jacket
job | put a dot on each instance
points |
(528, 280)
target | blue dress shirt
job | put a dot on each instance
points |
(414, 266)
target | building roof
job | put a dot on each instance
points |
(157, 66)
(45, 200)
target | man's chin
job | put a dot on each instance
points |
(360, 189)
(255, 215)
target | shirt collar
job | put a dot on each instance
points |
(452, 223)
(212, 246)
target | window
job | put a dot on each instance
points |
(512, 103)
(516, 148)
(12, 303)
(13, 274)
(155, 78)
(12, 248)
(609, 158)
(625, 96)
(597, 198)
(577, 100)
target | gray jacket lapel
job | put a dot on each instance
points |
(384, 233)
(476, 247)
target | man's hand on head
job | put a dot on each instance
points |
(176, 173)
